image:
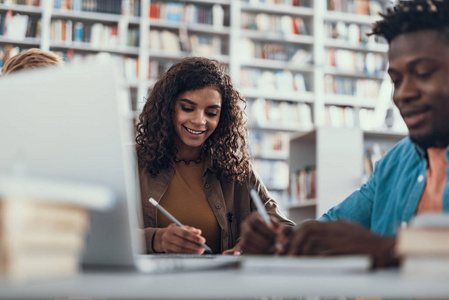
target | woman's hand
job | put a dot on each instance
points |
(174, 239)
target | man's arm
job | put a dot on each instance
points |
(358, 207)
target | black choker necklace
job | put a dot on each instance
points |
(187, 162)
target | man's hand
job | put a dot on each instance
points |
(342, 237)
(234, 250)
(174, 239)
(259, 238)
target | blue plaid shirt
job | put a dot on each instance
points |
(391, 195)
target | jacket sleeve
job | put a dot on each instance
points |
(271, 205)
(358, 207)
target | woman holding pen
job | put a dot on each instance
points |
(193, 160)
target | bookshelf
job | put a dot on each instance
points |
(275, 70)
(338, 158)
(300, 64)
(352, 104)
(354, 64)
(147, 43)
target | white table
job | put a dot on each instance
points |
(242, 283)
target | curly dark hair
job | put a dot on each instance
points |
(413, 15)
(227, 146)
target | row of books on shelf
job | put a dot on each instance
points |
(366, 119)
(368, 63)
(265, 80)
(283, 52)
(158, 67)
(274, 173)
(130, 67)
(175, 42)
(263, 112)
(339, 116)
(361, 88)
(21, 2)
(19, 27)
(351, 32)
(128, 64)
(360, 7)
(284, 25)
(101, 6)
(279, 2)
(269, 144)
(189, 13)
(98, 35)
(302, 185)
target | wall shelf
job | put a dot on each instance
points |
(94, 16)
(342, 44)
(335, 16)
(349, 100)
(297, 96)
(32, 10)
(273, 37)
(276, 65)
(282, 9)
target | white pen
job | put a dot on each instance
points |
(263, 212)
(166, 213)
(260, 207)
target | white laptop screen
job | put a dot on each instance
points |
(75, 123)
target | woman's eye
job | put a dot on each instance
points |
(211, 114)
(187, 109)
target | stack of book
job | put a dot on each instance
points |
(40, 238)
(424, 246)
(43, 228)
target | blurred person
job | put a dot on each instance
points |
(31, 59)
(412, 178)
(193, 159)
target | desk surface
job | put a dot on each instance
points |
(242, 283)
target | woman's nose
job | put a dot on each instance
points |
(199, 118)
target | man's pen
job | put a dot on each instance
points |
(263, 213)
(158, 206)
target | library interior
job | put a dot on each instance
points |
(299, 197)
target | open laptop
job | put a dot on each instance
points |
(76, 123)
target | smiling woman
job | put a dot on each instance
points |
(193, 159)
(196, 117)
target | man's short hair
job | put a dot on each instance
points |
(31, 59)
(413, 15)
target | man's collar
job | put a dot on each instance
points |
(420, 151)
(423, 153)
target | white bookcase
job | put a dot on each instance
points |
(338, 157)
(293, 64)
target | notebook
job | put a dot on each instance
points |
(76, 123)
